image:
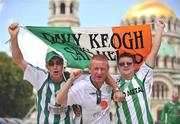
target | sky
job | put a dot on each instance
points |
(92, 13)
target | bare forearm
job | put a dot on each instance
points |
(62, 95)
(156, 44)
(157, 40)
(110, 81)
(16, 52)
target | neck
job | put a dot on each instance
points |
(96, 85)
(56, 80)
(125, 77)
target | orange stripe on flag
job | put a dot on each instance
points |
(136, 40)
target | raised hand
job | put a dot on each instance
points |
(13, 29)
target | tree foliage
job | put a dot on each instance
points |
(16, 95)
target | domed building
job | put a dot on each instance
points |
(167, 70)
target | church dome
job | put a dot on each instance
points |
(148, 9)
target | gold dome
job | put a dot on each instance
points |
(148, 9)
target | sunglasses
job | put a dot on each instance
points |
(125, 63)
(51, 63)
(98, 93)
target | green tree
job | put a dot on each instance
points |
(16, 95)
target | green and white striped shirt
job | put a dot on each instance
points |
(135, 107)
(46, 92)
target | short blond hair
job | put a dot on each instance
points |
(99, 57)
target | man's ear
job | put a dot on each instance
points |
(47, 67)
(89, 68)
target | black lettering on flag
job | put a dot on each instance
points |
(77, 54)
(140, 37)
(138, 58)
(93, 40)
(62, 38)
(104, 39)
(115, 38)
(111, 55)
(129, 41)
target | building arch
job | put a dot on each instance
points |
(157, 109)
(162, 80)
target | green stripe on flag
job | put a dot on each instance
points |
(64, 41)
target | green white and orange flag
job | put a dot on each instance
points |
(77, 45)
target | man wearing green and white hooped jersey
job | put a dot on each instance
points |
(46, 83)
(137, 86)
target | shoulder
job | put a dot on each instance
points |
(34, 69)
(82, 80)
(116, 78)
(145, 66)
(144, 70)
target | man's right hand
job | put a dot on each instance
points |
(118, 96)
(13, 29)
(76, 73)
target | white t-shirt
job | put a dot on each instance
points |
(83, 93)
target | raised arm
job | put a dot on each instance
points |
(62, 94)
(16, 52)
(150, 60)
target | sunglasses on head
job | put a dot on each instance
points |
(51, 63)
(98, 93)
(125, 63)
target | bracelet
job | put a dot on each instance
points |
(116, 90)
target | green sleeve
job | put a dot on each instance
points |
(163, 114)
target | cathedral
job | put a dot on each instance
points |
(167, 70)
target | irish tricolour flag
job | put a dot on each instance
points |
(77, 45)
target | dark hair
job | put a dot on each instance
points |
(125, 55)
